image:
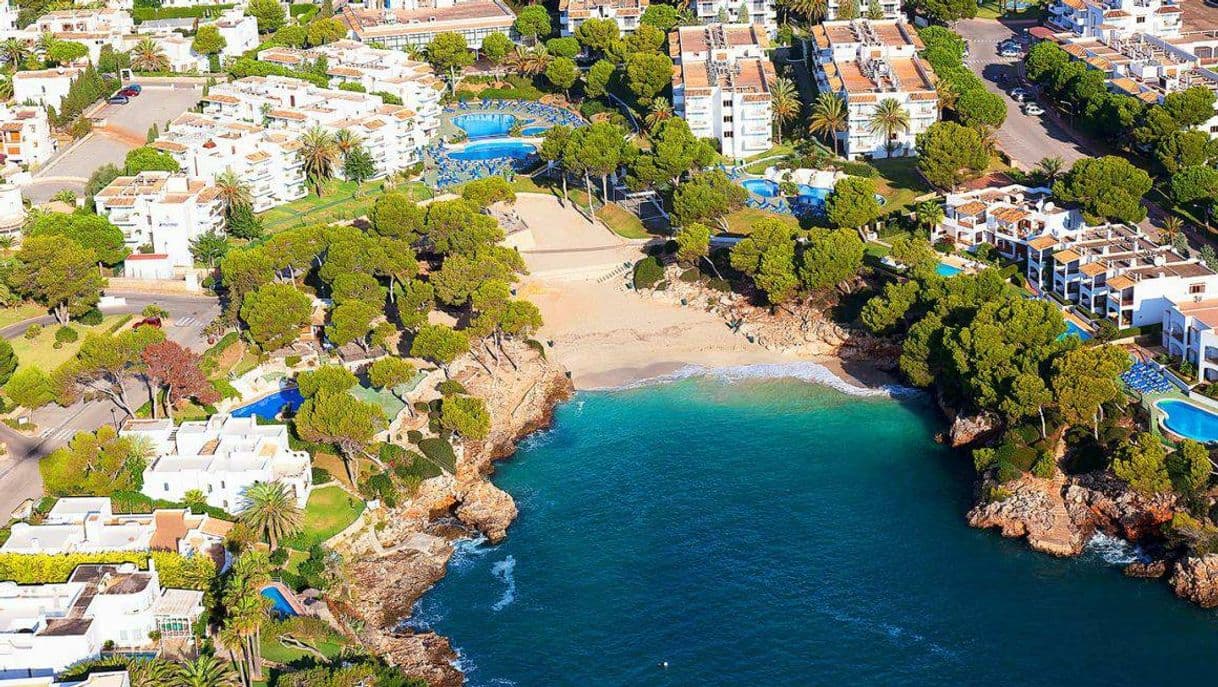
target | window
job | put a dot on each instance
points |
(1196, 288)
(167, 486)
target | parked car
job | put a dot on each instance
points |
(1034, 110)
(134, 87)
(129, 93)
(1019, 94)
(118, 99)
(148, 322)
(1009, 49)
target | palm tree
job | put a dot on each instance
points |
(346, 141)
(320, 155)
(529, 61)
(15, 52)
(661, 111)
(829, 117)
(929, 213)
(888, 119)
(46, 40)
(205, 671)
(233, 192)
(272, 512)
(147, 56)
(947, 95)
(784, 102)
(246, 610)
(6, 89)
(156, 672)
(1172, 226)
(1050, 168)
(812, 10)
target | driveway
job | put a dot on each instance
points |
(1026, 139)
(19, 478)
(119, 128)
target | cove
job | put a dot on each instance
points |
(776, 532)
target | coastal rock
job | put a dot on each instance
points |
(426, 655)
(383, 589)
(1036, 510)
(966, 430)
(489, 509)
(1151, 570)
(1101, 501)
(1196, 578)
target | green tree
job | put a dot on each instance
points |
(271, 510)
(1106, 188)
(1043, 59)
(708, 198)
(65, 52)
(30, 387)
(663, 17)
(596, 81)
(1190, 107)
(1141, 463)
(93, 232)
(1182, 149)
(320, 154)
(327, 379)
(358, 165)
(275, 314)
(949, 153)
(439, 344)
(357, 286)
(767, 255)
(829, 118)
(889, 119)
(242, 271)
(561, 47)
(1085, 379)
(457, 227)
(675, 152)
(343, 421)
(449, 52)
(693, 242)
(58, 273)
(467, 416)
(97, 464)
(352, 321)
(496, 47)
(978, 107)
(206, 670)
(533, 22)
(597, 35)
(148, 159)
(242, 223)
(948, 11)
(1196, 185)
(390, 372)
(882, 314)
(487, 191)
(209, 247)
(208, 40)
(322, 31)
(562, 72)
(852, 203)
(269, 13)
(647, 74)
(395, 215)
(597, 150)
(830, 258)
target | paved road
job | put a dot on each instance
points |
(1026, 139)
(19, 478)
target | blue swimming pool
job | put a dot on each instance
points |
(269, 407)
(761, 187)
(1072, 328)
(485, 124)
(946, 270)
(1188, 420)
(516, 150)
(534, 130)
(280, 605)
(769, 189)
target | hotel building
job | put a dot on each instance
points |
(625, 13)
(26, 135)
(760, 12)
(868, 62)
(721, 85)
(414, 23)
(221, 457)
(1107, 19)
(1006, 218)
(162, 210)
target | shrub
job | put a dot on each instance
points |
(292, 360)
(66, 335)
(32, 331)
(322, 476)
(859, 169)
(690, 275)
(1007, 472)
(439, 451)
(450, 387)
(174, 569)
(647, 273)
(1043, 467)
(414, 436)
(225, 389)
(92, 318)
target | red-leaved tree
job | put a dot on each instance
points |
(176, 370)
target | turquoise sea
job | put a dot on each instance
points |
(778, 532)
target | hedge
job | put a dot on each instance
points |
(138, 503)
(175, 570)
(440, 452)
(143, 14)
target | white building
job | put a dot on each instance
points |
(52, 626)
(239, 31)
(1111, 18)
(88, 524)
(92, 28)
(870, 62)
(178, 51)
(268, 161)
(378, 71)
(625, 13)
(1006, 218)
(389, 133)
(114, 678)
(413, 23)
(721, 85)
(761, 12)
(8, 16)
(222, 457)
(888, 9)
(26, 135)
(46, 87)
(12, 210)
(163, 210)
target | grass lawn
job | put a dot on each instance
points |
(991, 9)
(340, 202)
(622, 222)
(41, 352)
(899, 182)
(20, 313)
(329, 511)
(273, 650)
(742, 220)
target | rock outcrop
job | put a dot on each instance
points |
(488, 509)
(1099, 501)
(1034, 508)
(1196, 578)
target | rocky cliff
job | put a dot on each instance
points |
(1196, 578)
(404, 551)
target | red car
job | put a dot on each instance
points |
(128, 92)
(148, 321)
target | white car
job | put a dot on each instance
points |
(1009, 50)
(1033, 110)
(1019, 94)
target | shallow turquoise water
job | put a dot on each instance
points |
(782, 533)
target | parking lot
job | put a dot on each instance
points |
(120, 128)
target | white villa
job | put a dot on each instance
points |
(869, 62)
(1006, 217)
(87, 524)
(268, 161)
(890, 9)
(45, 87)
(400, 24)
(52, 626)
(1113, 18)
(26, 135)
(221, 457)
(1190, 331)
(760, 12)
(163, 210)
(625, 13)
(721, 85)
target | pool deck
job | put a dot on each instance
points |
(1079, 322)
(289, 596)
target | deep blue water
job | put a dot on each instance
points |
(1189, 420)
(782, 533)
(269, 407)
(279, 605)
(947, 270)
(492, 150)
(485, 125)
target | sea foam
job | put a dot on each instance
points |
(1114, 550)
(503, 570)
(813, 373)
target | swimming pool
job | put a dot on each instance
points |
(761, 187)
(485, 124)
(770, 189)
(1188, 420)
(280, 605)
(517, 150)
(1072, 328)
(269, 407)
(946, 270)
(534, 130)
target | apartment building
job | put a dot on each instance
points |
(52, 626)
(721, 85)
(389, 133)
(162, 210)
(760, 12)
(8, 17)
(93, 28)
(45, 87)
(378, 71)
(268, 161)
(239, 31)
(625, 13)
(413, 23)
(867, 63)
(1006, 218)
(88, 524)
(26, 134)
(887, 9)
(1116, 271)
(1190, 331)
(221, 457)
(1112, 18)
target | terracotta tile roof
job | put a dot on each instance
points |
(1042, 242)
(1066, 256)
